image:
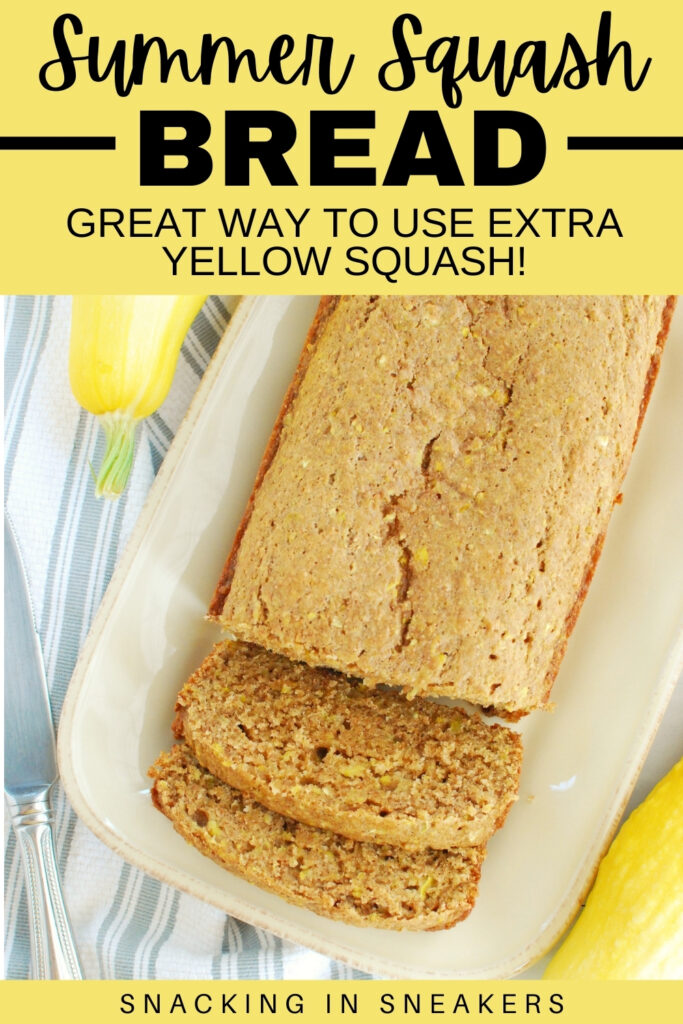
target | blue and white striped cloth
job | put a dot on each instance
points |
(127, 925)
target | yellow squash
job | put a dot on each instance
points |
(632, 924)
(122, 357)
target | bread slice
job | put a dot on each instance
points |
(360, 883)
(332, 753)
(433, 501)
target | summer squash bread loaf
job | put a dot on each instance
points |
(437, 489)
(360, 883)
(332, 753)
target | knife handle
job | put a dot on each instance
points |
(52, 942)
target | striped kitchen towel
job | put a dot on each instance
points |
(127, 925)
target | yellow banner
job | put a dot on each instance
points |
(312, 1002)
(270, 147)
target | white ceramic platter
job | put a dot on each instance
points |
(580, 762)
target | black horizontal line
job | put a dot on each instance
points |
(57, 142)
(625, 142)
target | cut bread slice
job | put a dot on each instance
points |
(330, 752)
(360, 883)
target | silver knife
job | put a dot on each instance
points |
(30, 773)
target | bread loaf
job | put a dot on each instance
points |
(437, 489)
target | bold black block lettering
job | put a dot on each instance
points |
(155, 147)
(487, 127)
(325, 146)
(241, 149)
(441, 162)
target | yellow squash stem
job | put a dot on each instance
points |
(119, 433)
(123, 352)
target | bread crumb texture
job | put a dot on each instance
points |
(360, 883)
(331, 752)
(442, 482)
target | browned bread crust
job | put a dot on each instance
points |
(594, 558)
(325, 309)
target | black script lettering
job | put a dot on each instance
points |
(455, 59)
(605, 56)
(404, 57)
(128, 63)
(64, 58)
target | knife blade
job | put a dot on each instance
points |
(30, 773)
